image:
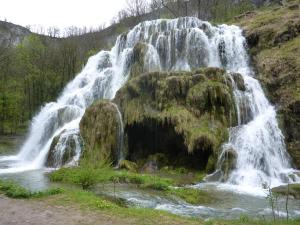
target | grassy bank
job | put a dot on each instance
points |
(88, 201)
(163, 181)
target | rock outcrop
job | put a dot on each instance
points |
(99, 129)
(170, 118)
(12, 34)
(182, 115)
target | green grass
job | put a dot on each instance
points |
(108, 175)
(13, 190)
(244, 220)
(154, 182)
(88, 200)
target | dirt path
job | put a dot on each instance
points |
(31, 212)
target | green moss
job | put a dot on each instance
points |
(292, 189)
(190, 101)
(130, 166)
(192, 195)
(198, 106)
(99, 129)
(139, 52)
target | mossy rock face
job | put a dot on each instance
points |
(139, 54)
(99, 128)
(228, 162)
(182, 115)
(291, 190)
(273, 36)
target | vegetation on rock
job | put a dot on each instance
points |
(99, 129)
(183, 115)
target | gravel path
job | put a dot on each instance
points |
(31, 212)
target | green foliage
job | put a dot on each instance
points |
(34, 72)
(104, 175)
(86, 178)
(224, 10)
(14, 190)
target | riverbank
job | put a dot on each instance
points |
(84, 208)
(9, 144)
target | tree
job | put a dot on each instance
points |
(136, 7)
(53, 32)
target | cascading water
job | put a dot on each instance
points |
(120, 133)
(179, 44)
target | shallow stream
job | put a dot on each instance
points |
(226, 204)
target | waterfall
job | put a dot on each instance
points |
(120, 134)
(178, 44)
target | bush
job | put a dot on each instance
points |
(86, 178)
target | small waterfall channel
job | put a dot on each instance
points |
(120, 133)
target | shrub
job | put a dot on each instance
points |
(86, 178)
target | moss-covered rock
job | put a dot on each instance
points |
(139, 54)
(183, 115)
(273, 36)
(291, 190)
(128, 165)
(228, 162)
(99, 129)
(63, 149)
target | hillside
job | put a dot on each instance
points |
(273, 36)
(14, 34)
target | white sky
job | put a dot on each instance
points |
(60, 13)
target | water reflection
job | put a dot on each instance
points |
(35, 180)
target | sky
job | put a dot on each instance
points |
(60, 13)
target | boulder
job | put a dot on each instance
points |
(99, 128)
(291, 190)
(228, 162)
(294, 7)
(150, 167)
(128, 165)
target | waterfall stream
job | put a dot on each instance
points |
(120, 134)
(178, 44)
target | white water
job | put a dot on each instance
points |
(120, 133)
(180, 44)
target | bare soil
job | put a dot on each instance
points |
(32, 212)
